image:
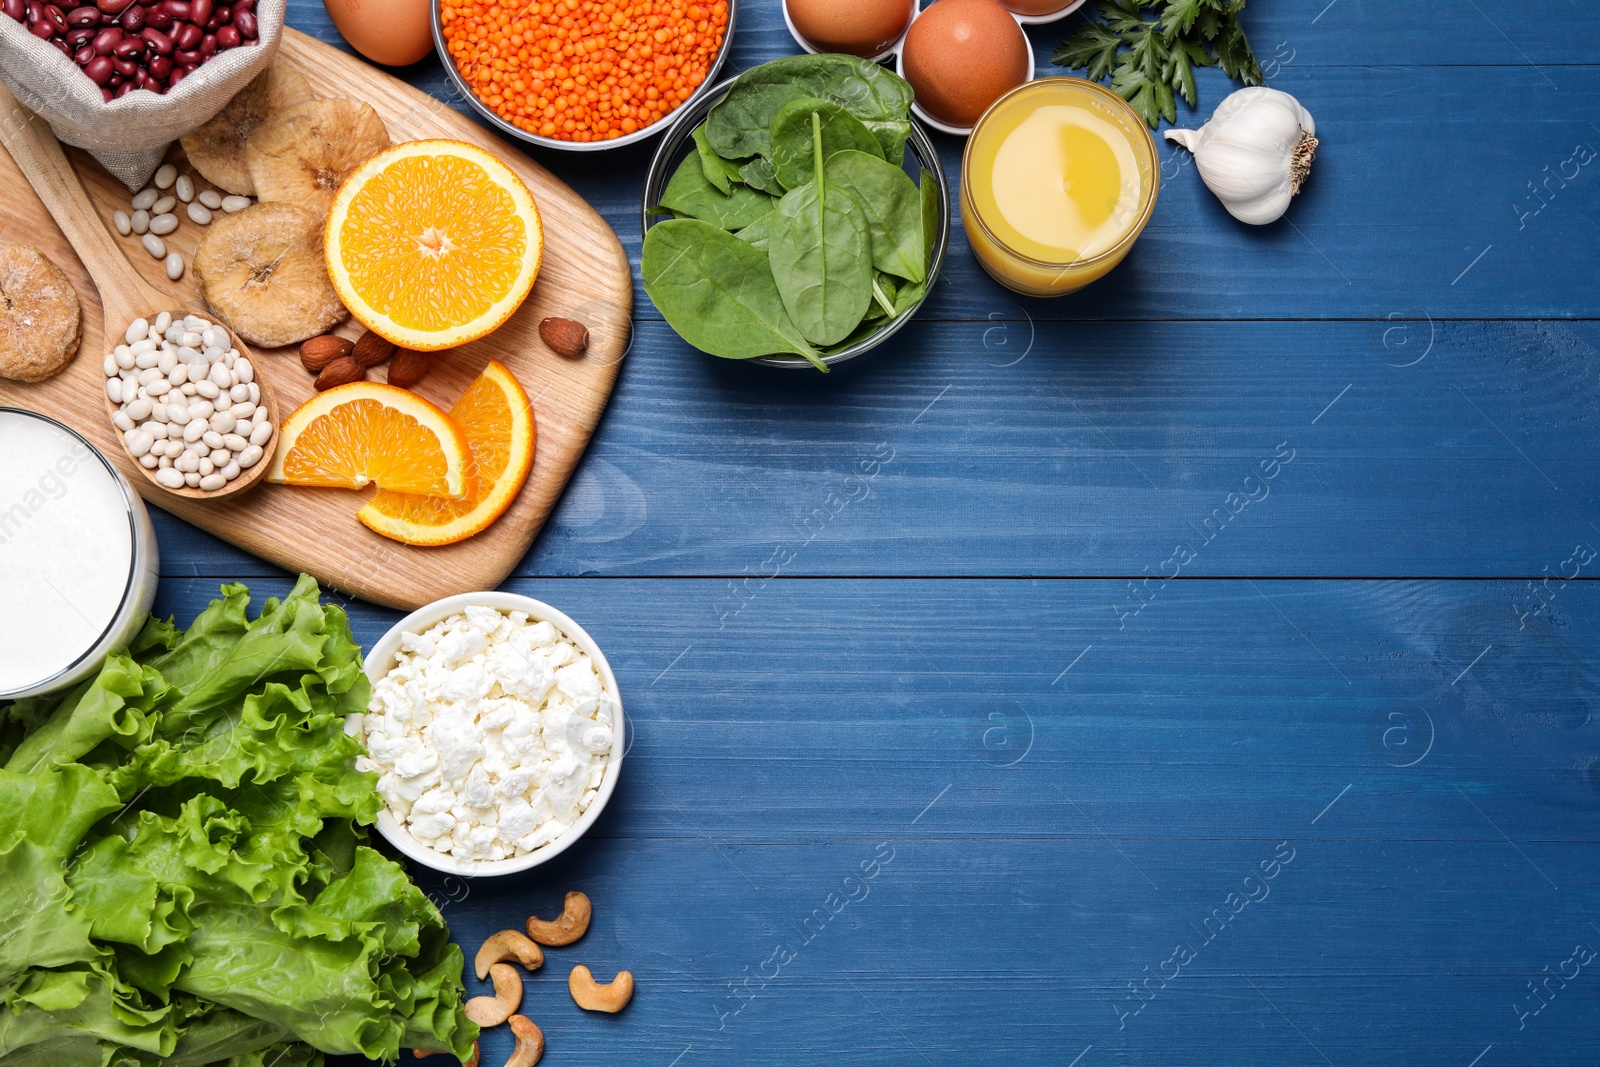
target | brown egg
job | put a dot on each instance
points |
(1035, 7)
(864, 28)
(960, 56)
(392, 32)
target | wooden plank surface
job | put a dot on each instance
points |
(1054, 834)
(583, 276)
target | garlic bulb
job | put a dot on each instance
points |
(1255, 153)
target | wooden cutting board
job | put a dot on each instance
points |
(584, 276)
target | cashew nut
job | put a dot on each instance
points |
(592, 996)
(508, 945)
(470, 1061)
(492, 1011)
(530, 1042)
(572, 924)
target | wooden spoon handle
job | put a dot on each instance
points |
(39, 156)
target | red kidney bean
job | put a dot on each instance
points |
(133, 19)
(99, 69)
(228, 37)
(246, 23)
(243, 5)
(215, 21)
(208, 45)
(41, 29)
(178, 9)
(187, 59)
(107, 40)
(83, 56)
(125, 67)
(56, 20)
(160, 68)
(61, 46)
(124, 89)
(112, 7)
(177, 76)
(79, 17)
(160, 43)
(76, 39)
(187, 36)
(159, 19)
(199, 11)
(16, 9)
(130, 48)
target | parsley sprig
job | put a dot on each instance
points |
(1151, 60)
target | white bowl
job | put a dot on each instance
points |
(381, 660)
(962, 131)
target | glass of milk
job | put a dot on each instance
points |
(78, 558)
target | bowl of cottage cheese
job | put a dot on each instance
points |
(496, 730)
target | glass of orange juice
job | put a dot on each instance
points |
(1058, 179)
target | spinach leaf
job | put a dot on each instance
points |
(719, 172)
(930, 216)
(717, 292)
(893, 207)
(758, 174)
(758, 231)
(690, 193)
(883, 290)
(820, 255)
(791, 138)
(740, 125)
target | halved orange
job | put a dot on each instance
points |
(432, 244)
(497, 417)
(367, 432)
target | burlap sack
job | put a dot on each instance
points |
(130, 135)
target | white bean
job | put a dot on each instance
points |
(187, 462)
(174, 266)
(207, 389)
(138, 443)
(122, 421)
(240, 393)
(124, 356)
(220, 377)
(187, 388)
(139, 221)
(212, 438)
(224, 422)
(231, 471)
(192, 480)
(146, 360)
(184, 187)
(211, 198)
(199, 213)
(219, 457)
(159, 387)
(178, 375)
(173, 332)
(234, 443)
(139, 410)
(260, 433)
(166, 360)
(150, 461)
(110, 365)
(122, 222)
(114, 390)
(137, 331)
(179, 413)
(201, 408)
(193, 429)
(244, 371)
(170, 478)
(243, 411)
(212, 482)
(250, 456)
(163, 224)
(157, 430)
(144, 198)
(163, 320)
(166, 174)
(203, 466)
(255, 393)
(158, 412)
(230, 204)
(154, 245)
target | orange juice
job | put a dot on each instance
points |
(1058, 179)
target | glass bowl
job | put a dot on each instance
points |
(679, 142)
(507, 129)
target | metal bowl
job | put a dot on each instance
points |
(679, 142)
(465, 92)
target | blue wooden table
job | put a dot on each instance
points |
(1199, 669)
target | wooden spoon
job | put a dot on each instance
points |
(124, 296)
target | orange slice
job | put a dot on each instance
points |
(432, 244)
(367, 432)
(497, 417)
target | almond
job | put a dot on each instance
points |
(372, 349)
(565, 336)
(317, 352)
(341, 371)
(408, 368)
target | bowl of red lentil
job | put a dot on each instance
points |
(582, 75)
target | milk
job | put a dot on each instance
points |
(77, 556)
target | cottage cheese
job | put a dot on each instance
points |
(490, 734)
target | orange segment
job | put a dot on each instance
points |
(432, 244)
(498, 419)
(367, 432)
